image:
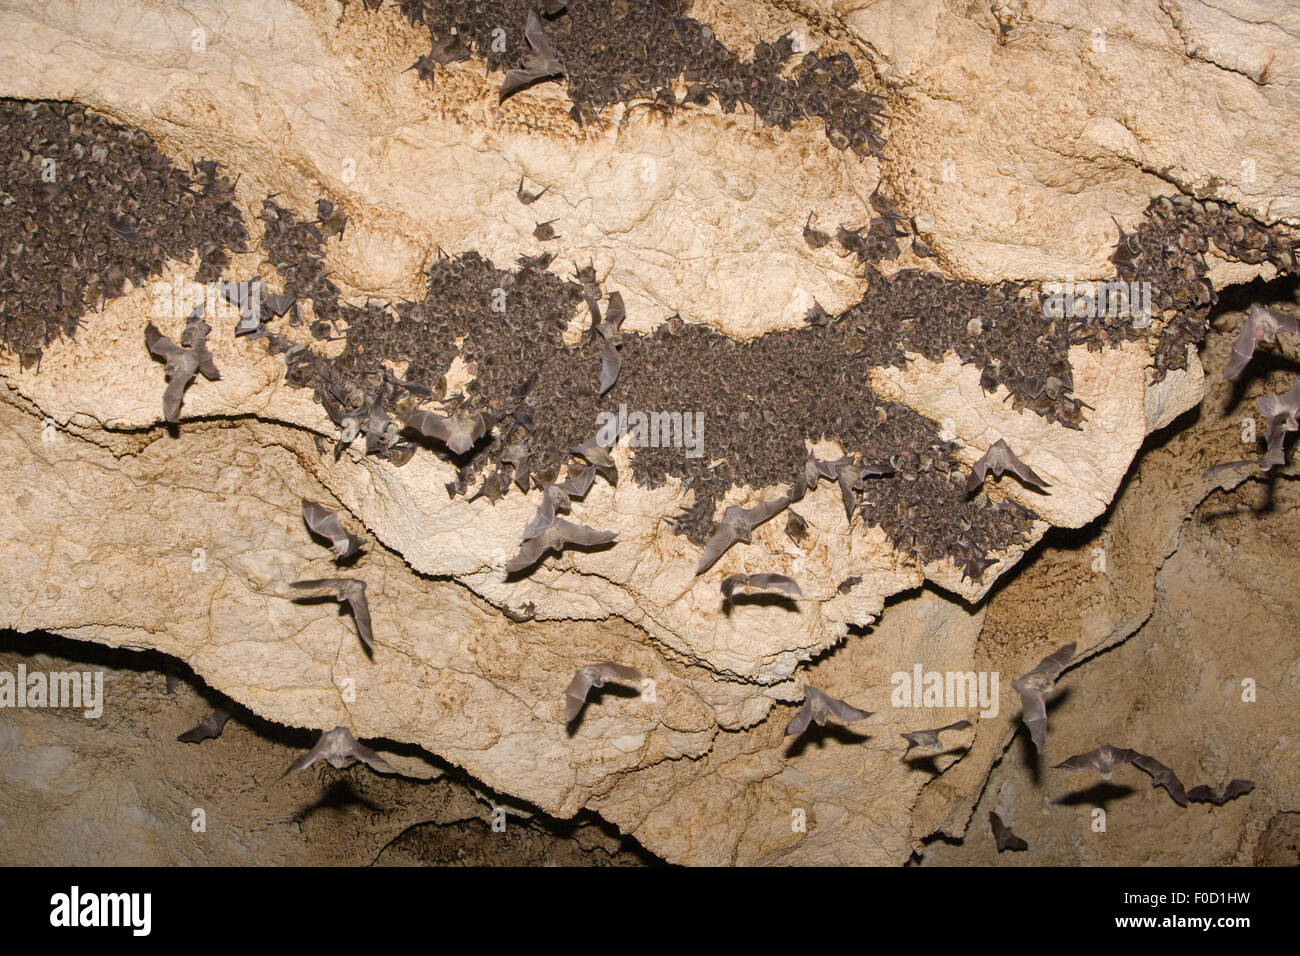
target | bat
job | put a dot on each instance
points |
(599, 457)
(209, 727)
(1280, 411)
(525, 197)
(1162, 776)
(611, 363)
(545, 231)
(539, 65)
(998, 460)
(814, 237)
(332, 221)
(338, 747)
(540, 261)
(278, 303)
(460, 431)
(423, 67)
(1005, 838)
(321, 521)
(120, 227)
(820, 707)
(351, 590)
(577, 485)
(553, 500)
(1104, 760)
(738, 524)
(1220, 795)
(929, 739)
(246, 297)
(554, 537)
(760, 582)
(852, 478)
(796, 529)
(594, 675)
(1261, 325)
(1033, 689)
(449, 49)
(181, 364)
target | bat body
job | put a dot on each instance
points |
(594, 675)
(338, 748)
(814, 237)
(181, 363)
(999, 460)
(599, 457)
(209, 727)
(1220, 795)
(1280, 411)
(525, 197)
(1261, 325)
(545, 231)
(352, 591)
(321, 521)
(929, 739)
(556, 536)
(852, 478)
(796, 529)
(819, 708)
(778, 583)
(449, 49)
(611, 363)
(1104, 760)
(1033, 689)
(1162, 776)
(541, 64)
(460, 431)
(1005, 838)
(738, 524)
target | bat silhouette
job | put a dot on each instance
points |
(929, 739)
(321, 521)
(460, 431)
(814, 237)
(209, 727)
(1002, 834)
(1162, 776)
(554, 536)
(525, 197)
(545, 231)
(1104, 760)
(351, 590)
(181, 364)
(819, 707)
(599, 457)
(760, 582)
(1261, 325)
(1033, 689)
(1220, 795)
(539, 65)
(594, 675)
(999, 460)
(738, 524)
(338, 747)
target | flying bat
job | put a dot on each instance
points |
(1033, 689)
(852, 478)
(321, 521)
(351, 590)
(594, 675)
(738, 524)
(182, 364)
(555, 537)
(460, 431)
(1220, 795)
(1162, 776)
(998, 460)
(337, 747)
(1104, 760)
(760, 582)
(210, 726)
(599, 457)
(820, 708)
(1280, 411)
(610, 330)
(1002, 833)
(929, 739)
(539, 65)
(525, 197)
(1261, 325)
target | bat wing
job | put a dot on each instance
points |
(715, 547)
(1052, 665)
(581, 535)
(979, 471)
(1161, 776)
(279, 303)
(801, 720)
(361, 614)
(776, 582)
(544, 518)
(1005, 838)
(538, 40)
(431, 425)
(765, 510)
(618, 672)
(844, 712)
(731, 582)
(576, 695)
(611, 363)
(615, 313)
(1236, 787)
(1033, 711)
(958, 725)
(309, 758)
(847, 495)
(370, 758)
(173, 395)
(1243, 347)
(1078, 762)
(530, 553)
(159, 344)
(1201, 794)
(577, 486)
(1026, 474)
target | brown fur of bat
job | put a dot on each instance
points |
(1003, 835)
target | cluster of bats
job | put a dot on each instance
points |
(1034, 688)
(878, 240)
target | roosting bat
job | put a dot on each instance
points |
(760, 582)
(998, 460)
(1220, 795)
(545, 231)
(818, 707)
(351, 590)
(460, 431)
(209, 727)
(1005, 838)
(814, 237)
(321, 521)
(555, 536)
(1033, 689)
(120, 227)
(525, 197)
(594, 675)
(182, 364)
(796, 529)
(541, 64)
(929, 739)
(337, 747)
(449, 49)
(332, 221)
(1261, 325)
(738, 524)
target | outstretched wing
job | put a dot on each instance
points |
(1005, 838)
(581, 535)
(620, 673)
(611, 363)
(361, 614)
(370, 758)
(576, 695)
(801, 720)
(1243, 346)
(716, 546)
(532, 551)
